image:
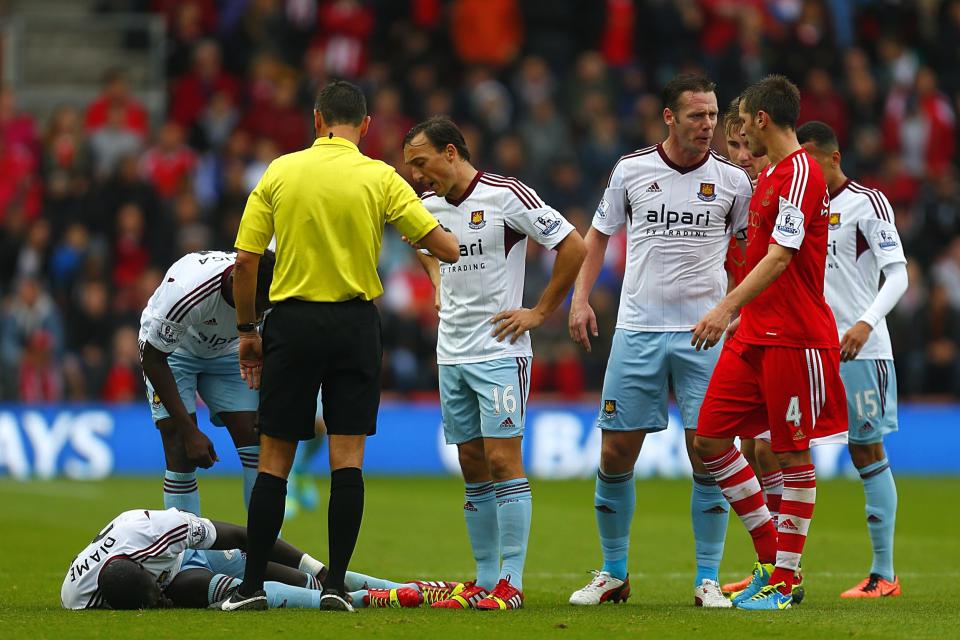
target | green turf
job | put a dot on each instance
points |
(413, 528)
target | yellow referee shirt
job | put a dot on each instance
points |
(327, 206)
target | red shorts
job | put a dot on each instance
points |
(795, 392)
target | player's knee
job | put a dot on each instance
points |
(618, 454)
(503, 465)
(863, 455)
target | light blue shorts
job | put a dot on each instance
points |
(231, 562)
(484, 399)
(635, 384)
(218, 381)
(871, 399)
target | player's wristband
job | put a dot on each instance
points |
(247, 327)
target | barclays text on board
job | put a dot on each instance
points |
(96, 441)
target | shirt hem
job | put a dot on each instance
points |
(498, 356)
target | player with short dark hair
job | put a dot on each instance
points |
(484, 351)
(327, 206)
(146, 559)
(189, 345)
(681, 204)
(781, 367)
(863, 245)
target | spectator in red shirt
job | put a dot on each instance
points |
(821, 101)
(281, 118)
(16, 128)
(919, 123)
(130, 255)
(116, 93)
(192, 92)
(345, 26)
(169, 163)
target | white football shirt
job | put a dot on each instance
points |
(187, 311)
(679, 221)
(492, 221)
(862, 240)
(155, 539)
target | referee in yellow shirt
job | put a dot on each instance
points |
(327, 206)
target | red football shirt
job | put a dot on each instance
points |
(790, 207)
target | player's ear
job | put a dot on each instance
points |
(667, 116)
(451, 152)
(317, 122)
(364, 125)
(835, 156)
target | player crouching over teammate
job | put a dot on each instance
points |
(145, 559)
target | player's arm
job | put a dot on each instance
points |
(233, 536)
(608, 219)
(431, 266)
(570, 254)
(710, 329)
(199, 448)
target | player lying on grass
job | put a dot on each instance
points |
(147, 559)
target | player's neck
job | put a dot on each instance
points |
(680, 156)
(782, 143)
(465, 175)
(835, 181)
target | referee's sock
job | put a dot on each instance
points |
(264, 519)
(343, 522)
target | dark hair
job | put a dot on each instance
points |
(820, 134)
(731, 116)
(777, 97)
(694, 82)
(440, 131)
(124, 584)
(341, 103)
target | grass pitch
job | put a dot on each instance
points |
(413, 528)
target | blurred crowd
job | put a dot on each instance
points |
(97, 200)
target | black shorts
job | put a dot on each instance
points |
(309, 344)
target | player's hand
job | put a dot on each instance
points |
(515, 323)
(711, 327)
(732, 329)
(199, 449)
(582, 323)
(853, 340)
(251, 358)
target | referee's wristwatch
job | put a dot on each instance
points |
(247, 327)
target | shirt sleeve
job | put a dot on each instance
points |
(404, 209)
(256, 225)
(611, 213)
(525, 212)
(169, 321)
(881, 234)
(740, 211)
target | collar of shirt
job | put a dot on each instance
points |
(340, 142)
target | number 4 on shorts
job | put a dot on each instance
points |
(793, 411)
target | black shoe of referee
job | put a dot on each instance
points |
(237, 602)
(333, 600)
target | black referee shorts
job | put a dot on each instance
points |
(309, 344)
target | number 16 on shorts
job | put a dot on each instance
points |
(484, 399)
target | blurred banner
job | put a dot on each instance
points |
(96, 441)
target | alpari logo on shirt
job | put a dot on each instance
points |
(886, 240)
(476, 220)
(708, 192)
(547, 223)
(671, 218)
(474, 248)
(834, 222)
(609, 408)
